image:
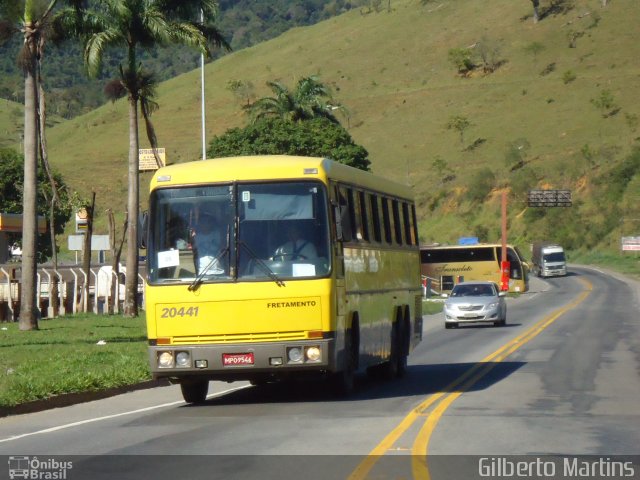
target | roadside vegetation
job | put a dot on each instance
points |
(432, 306)
(627, 263)
(83, 353)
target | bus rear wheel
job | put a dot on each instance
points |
(396, 366)
(194, 391)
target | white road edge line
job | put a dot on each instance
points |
(108, 417)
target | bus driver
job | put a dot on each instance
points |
(207, 239)
(296, 248)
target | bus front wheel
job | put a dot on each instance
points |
(194, 391)
(343, 382)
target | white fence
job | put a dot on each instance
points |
(106, 291)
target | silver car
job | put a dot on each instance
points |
(471, 302)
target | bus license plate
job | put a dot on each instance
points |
(231, 359)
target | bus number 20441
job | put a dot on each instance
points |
(172, 312)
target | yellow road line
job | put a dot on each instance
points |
(421, 443)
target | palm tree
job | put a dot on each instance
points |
(310, 99)
(134, 25)
(31, 19)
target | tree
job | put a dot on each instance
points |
(536, 14)
(242, 90)
(275, 136)
(534, 48)
(137, 25)
(29, 17)
(310, 99)
(459, 123)
(462, 59)
(11, 178)
(605, 103)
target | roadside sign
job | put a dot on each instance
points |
(82, 220)
(549, 198)
(147, 160)
(98, 242)
(630, 244)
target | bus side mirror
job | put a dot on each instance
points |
(143, 229)
(343, 223)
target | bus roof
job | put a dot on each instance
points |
(463, 247)
(272, 167)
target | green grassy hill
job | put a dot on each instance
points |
(534, 120)
(11, 124)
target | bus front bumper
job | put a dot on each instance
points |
(241, 361)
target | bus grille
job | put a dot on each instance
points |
(240, 338)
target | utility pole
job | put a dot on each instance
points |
(204, 140)
(504, 264)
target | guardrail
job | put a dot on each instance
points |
(63, 291)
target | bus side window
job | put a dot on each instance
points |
(355, 214)
(409, 228)
(364, 216)
(397, 221)
(375, 216)
(387, 220)
(347, 215)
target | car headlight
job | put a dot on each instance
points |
(493, 305)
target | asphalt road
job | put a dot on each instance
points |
(560, 382)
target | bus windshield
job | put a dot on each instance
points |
(239, 232)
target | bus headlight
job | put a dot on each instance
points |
(183, 359)
(294, 354)
(312, 354)
(165, 359)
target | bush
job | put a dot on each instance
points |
(568, 77)
(480, 185)
(462, 59)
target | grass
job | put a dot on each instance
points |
(627, 263)
(11, 121)
(64, 356)
(429, 307)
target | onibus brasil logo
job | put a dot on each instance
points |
(36, 469)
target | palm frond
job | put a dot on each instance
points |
(12, 11)
(215, 37)
(190, 35)
(114, 89)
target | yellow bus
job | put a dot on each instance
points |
(451, 264)
(258, 307)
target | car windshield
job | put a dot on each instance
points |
(236, 232)
(473, 291)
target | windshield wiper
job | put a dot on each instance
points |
(264, 266)
(198, 280)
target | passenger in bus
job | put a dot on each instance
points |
(207, 240)
(296, 247)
